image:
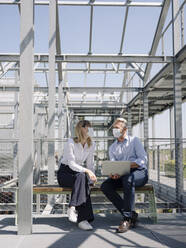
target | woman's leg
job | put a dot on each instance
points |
(66, 177)
(85, 211)
(80, 197)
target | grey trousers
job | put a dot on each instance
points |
(80, 196)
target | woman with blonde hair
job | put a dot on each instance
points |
(77, 172)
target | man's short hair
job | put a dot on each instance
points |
(120, 119)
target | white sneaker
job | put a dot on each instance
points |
(84, 225)
(72, 215)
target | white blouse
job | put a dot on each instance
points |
(75, 156)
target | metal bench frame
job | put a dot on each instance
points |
(55, 189)
(147, 189)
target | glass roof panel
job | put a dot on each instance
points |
(107, 28)
(140, 30)
(74, 29)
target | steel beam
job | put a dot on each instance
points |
(124, 27)
(80, 70)
(145, 120)
(26, 119)
(129, 124)
(90, 32)
(51, 93)
(157, 36)
(15, 88)
(139, 71)
(177, 83)
(58, 44)
(62, 112)
(88, 3)
(171, 121)
(98, 58)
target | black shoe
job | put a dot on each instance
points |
(134, 219)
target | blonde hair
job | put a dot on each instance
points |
(120, 120)
(79, 137)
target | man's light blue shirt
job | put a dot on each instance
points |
(130, 149)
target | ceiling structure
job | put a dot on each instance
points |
(124, 77)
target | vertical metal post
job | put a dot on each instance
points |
(72, 123)
(145, 119)
(109, 134)
(153, 143)
(176, 38)
(51, 92)
(182, 28)
(38, 130)
(171, 118)
(16, 126)
(26, 119)
(129, 122)
(158, 164)
(62, 112)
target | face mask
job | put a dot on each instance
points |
(116, 132)
(90, 132)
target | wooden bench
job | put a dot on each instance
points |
(147, 189)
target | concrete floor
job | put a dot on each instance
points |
(55, 231)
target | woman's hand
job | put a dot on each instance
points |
(91, 175)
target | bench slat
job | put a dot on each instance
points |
(57, 189)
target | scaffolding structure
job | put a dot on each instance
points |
(49, 111)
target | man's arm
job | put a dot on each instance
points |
(111, 154)
(141, 155)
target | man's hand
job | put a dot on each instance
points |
(115, 176)
(133, 165)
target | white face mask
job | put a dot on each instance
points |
(116, 132)
(90, 132)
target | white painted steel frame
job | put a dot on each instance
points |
(51, 94)
(88, 3)
(94, 58)
(26, 119)
(177, 83)
(157, 36)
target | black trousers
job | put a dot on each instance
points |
(80, 196)
(125, 205)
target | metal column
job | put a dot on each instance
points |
(153, 143)
(26, 119)
(62, 111)
(52, 93)
(176, 31)
(146, 123)
(171, 118)
(178, 132)
(37, 158)
(129, 122)
(16, 127)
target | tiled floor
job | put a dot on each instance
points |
(55, 231)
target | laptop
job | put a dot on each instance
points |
(115, 167)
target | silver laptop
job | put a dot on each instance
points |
(115, 167)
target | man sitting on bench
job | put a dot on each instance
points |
(126, 148)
